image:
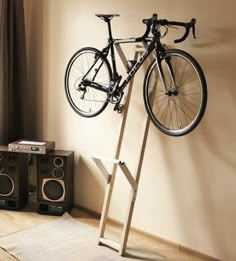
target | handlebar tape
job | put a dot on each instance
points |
(187, 27)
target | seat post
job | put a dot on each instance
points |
(109, 29)
(107, 18)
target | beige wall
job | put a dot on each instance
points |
(187, 189)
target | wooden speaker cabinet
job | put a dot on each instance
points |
(55, 182)
(13, 179)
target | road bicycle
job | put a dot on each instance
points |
(174, 90)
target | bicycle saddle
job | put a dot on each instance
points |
(106, 16)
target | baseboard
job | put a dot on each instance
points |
(88, 211)
(151, 236)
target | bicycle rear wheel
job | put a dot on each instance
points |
(87, 64)
(175, 93)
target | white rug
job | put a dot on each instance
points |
(65, 239)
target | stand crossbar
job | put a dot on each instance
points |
(110, 178)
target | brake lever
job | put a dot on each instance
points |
(165, 33)
(193, 22)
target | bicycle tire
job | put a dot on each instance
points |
(175, 113)
(87, 101)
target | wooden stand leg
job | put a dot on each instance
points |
(111, 178)
(109, 189)
(106, 205)
(127, 223)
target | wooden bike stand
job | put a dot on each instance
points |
(133, 180)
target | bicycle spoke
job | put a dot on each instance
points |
(180, 107)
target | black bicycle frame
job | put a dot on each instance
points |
(154, 44)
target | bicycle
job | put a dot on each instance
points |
(174, 91)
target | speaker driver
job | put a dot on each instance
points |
(58, 162)
(6, 185)
(53, 190)
(58, 173)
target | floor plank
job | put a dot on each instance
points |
(12, 221)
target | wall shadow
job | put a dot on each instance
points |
(89, 190)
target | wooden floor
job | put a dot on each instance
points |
(12, 221)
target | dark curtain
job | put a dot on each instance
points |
(12, 71)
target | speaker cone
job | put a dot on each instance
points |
(6, 185)
(58, 162)
(58, 173)
(53, 190)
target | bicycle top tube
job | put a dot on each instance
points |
(131, 40)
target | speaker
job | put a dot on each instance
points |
(55, 182)
(13, 179)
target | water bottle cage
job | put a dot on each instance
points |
(130, 65)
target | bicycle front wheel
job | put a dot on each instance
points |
(175, 93)
(87, 65)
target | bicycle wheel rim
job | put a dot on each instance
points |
(176, 114)
(91, 102)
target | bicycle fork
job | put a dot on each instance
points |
(172, 88)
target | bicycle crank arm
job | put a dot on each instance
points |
(119, 107)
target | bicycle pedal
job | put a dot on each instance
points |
(119, 108)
